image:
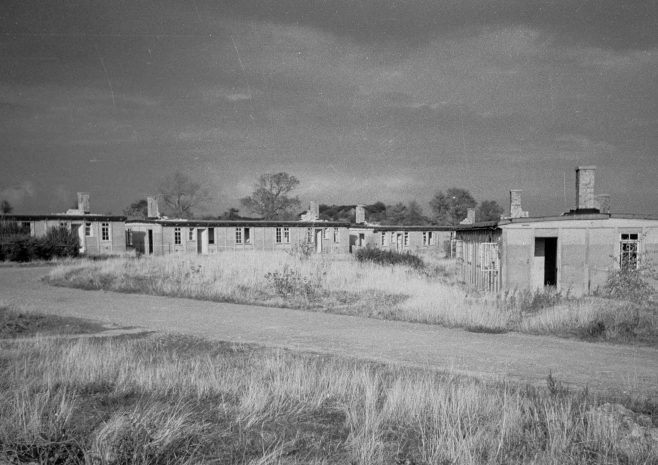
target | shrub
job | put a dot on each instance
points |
(628, 285)
(290, 283)
(389, 257)
(58, 242)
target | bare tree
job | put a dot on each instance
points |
(181, 195)
(270, 197)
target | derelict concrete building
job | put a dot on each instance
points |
(97, 234)
(160, 236)
(574, 252)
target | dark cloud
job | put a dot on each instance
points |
(616, 24)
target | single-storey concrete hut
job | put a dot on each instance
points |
(574, 252)
(98, 234)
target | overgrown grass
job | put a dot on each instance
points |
(398, 292)
(171, 400)
(14, 323)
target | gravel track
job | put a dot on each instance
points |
(513, 356)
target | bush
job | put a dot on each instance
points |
(628, 285)
(389, 257)
(58, 242)
(290, 283)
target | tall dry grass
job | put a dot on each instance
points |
(343, 285)
(175, 400)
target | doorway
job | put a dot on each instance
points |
(149, 251)
(318, 240)
(545, 262)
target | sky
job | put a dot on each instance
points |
(361, 100)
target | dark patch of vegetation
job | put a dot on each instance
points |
(17, 245)
(22, 324)
(389, 257)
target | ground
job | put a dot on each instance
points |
(600, 367)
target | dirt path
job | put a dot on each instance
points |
(511, 356)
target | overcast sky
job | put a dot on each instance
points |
(362, 100)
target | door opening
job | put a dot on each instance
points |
(318, 240)
(150, 240)
(545, 263)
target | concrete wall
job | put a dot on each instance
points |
(372, 237)
(261, 238)
(587, 251)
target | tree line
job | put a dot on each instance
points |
(272, 199)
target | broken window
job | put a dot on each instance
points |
(247, 235)
(286, 235)
(190, 234)
(105, 231)
(211, 235)
(177, 238)
(88, 231)
(406, 238)
(628, 251)
(282, 235)
(383, 238)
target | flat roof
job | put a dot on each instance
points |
(62, 216)
(565, 217)
(228, 223)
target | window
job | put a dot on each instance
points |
(211, 235)
(105, 231)
(88, 231)
(336, 235)
(129, 237)
(326, 233)
(190, 234)
(247, 235)
(177, 236)
(26, 227)
(309, 235)
(282, 235)
(406, 238)
(628, 251)
(238, 235)
(384, 239)
(428, 238)
(432, 238)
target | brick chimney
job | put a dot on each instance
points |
(515, 208)
(470, 217)
(360, 212)
(585, 199)
(152, 210)
(83, 202)
(602, 202)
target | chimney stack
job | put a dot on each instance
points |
(515, 208)
(360, 212)
(83, 202)
(470, 217)
(152, 210)
(603, 203)
(585, 199)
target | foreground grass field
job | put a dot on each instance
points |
(179, 400)
(342, 285)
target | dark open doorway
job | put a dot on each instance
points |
(546, 251)
(150, 242)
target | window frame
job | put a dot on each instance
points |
(106, 234)
(177, 236)
(629, 251)
(405, 239)
(238, 236)
(190, 235)
(89, 230)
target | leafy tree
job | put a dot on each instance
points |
(451, 208)
(396, 214)
(271, 199)
(181, 195)
(138, 209)
(488, 210)
(5, 207)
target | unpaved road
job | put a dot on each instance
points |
(512, 356)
